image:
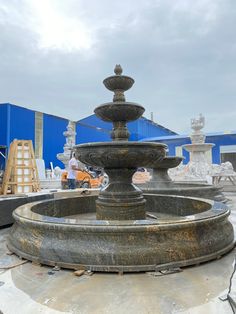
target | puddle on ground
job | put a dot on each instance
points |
(113, 293)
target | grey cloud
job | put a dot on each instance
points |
(183, 63)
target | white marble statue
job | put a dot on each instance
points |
(70, 142)
(198, 167)
(197, 137)
(198, 124)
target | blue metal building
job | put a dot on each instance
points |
(224, 149)
(92, 129)
(46, 131)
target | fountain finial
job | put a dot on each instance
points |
(118, 69)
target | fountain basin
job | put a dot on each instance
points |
(65, 232)
(120, 154)
(189, 189)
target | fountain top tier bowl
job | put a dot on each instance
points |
(119, 112)
(118, 83)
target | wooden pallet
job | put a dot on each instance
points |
(21, 174)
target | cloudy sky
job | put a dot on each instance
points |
(54, 55)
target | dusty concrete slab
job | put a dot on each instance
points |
(30, 288)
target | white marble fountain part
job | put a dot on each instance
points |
(70, 142)
(199, 167)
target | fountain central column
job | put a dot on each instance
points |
(120, 199)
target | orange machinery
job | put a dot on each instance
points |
(83, 180)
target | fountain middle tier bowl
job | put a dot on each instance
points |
(120, 154)
(119, 111)
(177, 231)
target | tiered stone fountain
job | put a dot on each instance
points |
(160, 178)
(121, 229)
(120, 200)
(189, 180)
(162, 183)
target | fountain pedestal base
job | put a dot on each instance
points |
(120, 200)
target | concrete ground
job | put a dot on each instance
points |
(33, 289)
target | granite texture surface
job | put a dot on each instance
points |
(181, 231)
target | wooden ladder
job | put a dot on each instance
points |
(21, 173)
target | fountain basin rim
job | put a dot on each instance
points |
(119, 103)
(25, 213)
(123, 144)
(198, 147)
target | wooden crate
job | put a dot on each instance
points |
(21, 174)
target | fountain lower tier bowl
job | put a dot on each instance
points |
(189, 189)
(177, 232)
(120, 154)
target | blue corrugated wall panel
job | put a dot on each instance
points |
(172, 143)
(3, 124)
(53, 139)
(218, 140)
(93, 129)
(3, 132)
(143, 128)
(22, 122)
(15, 123)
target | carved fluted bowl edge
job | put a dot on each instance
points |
(120, 154)
(118, 82)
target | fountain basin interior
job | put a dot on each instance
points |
(177, 231)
